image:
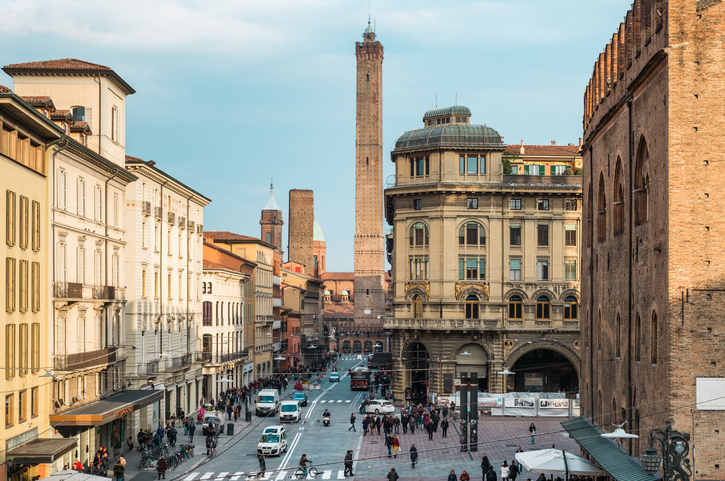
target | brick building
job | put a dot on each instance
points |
(301, 227)
(652, 336)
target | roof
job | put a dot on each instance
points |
(135, 161)
(67, 66)
(544, 150)
(455, 110)
(226, 235)
(338, 276)
(450, 135)
(4, 90)
(41, 451)
(606, 453)
(271, 203)
(38, 100)
(227, 252)
(317, 234)
(60, 114)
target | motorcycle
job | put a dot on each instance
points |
(326, 420)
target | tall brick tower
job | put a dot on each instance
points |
(272, 222)
(369, 294)
(300, 234)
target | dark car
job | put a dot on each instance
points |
(300, 397)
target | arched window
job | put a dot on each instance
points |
(641, 184)
(590, 210)
(601, 211)
(637, 338)
(618, 204)
(203, 287)
(571, 311)
(268, 237)
(419, 235)
(208, 287)
(515, 307)
(206, 313)
(653, 338)
(542, 307)
(471, 307)
(472, 234)
(417, 306)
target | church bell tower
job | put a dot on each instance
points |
(369, 290)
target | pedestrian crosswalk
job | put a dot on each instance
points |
(269, 476)
(332, 401)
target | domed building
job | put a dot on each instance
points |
(485, 265)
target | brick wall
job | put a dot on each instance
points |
(301, 226)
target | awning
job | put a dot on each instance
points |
(104, 411)
(604, 452)
(41, 451)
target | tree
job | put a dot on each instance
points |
(506, 161)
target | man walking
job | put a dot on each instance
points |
(352, 422)
(393, 475)
(348, 463)
(192, 428)
(413, 455)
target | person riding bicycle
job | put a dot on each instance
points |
(303, 464)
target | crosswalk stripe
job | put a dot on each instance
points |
(341, 474)
(222, 475)
(236, 475)
(322, 402)
(281, 475)
(347, 400)
(207, 476)
(190, 477)
(326, 474)
(339, 400)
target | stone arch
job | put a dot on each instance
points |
(482, 225)
(404, 346)
(570, 292)
(568, 352)
(516, 292)
(544, 292)
(472, 291)
(489, 350)
(416, 291)
(426, 233)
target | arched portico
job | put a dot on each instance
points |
(543, 367)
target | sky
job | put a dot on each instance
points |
(231, 93)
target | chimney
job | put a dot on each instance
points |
(521, 150)
(580, 142)
(553, 143)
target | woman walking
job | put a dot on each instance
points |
(485, 464)
(505, 471)
(396, 445)
(532, 432)
(452, 476)
(161, 467)
(444, 428)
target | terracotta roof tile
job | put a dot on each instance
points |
(41, 99)
(215, 266)
(226, 235)
(535, 150)
(60, 114)
(338, 276)
(5, 90)
(59, 64)
(130, 158)
(80, 126)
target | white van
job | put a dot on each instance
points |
(267, 402)
(290, 411)
(273, 441)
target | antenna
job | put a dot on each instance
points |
(456, 97)
(436, 99)
(271, 182)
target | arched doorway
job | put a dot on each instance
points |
(357, 347)
(473, 358)
(417, 372)
(378, 346)
(346, 347)
(368, 346)
(544, 370)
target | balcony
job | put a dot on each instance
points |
(68, 290)
(146, 208)
(207, 321)
(178, 363)
(277, 346)
(441, 324)
(204, 357)
(199, 228)
(159, 213)
(83, 360)
(182, 223)
(147, 368)
(104, 292)
(172, 218)
(192, 226)
(211, 358)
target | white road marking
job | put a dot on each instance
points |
(236, 475)
(326, 475)
(190, 477)
(339, 400)
(323, 401)
(347, 400)
(222, 475)
(341, 474)
(285, 459)
(207, 476)
(281, 476)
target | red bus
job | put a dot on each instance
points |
(360, 380)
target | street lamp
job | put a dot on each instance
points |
(675, 448)
(505, 373)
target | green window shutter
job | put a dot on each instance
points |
(461, 268)
(526, 169)
(542, 170)
(553, 170)
(569, 227)
(482, 272)
(516, 264)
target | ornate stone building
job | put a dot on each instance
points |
(485, 265)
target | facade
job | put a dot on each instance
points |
(164, 225)
(369, 289)
(301, 227)
(25, 137)
(304, 294)
(544, 159)
(226, 286)
(263, 255)
(653, 144)
(485, 265)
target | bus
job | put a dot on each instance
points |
(359, 380)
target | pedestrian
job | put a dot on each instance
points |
(491, 474)
(404, 422)
(161, 467)
(411, 423)
(393, 475)
(172, 436)
(352, 422)
(513, 470)
(504, 471)
(532, 432)
(192, 428)
(396, 445)
(541, 477)
(464, 476)
(389, 444)
(485, 464)
(262, 464)
(413, 455)
(518, 450)
(119, 469)
(396, 424)
(452, 476)
(444, 428)
(348, 463)
(429, 427)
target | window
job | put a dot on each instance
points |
(472, 203)
(35, 226)
(542, 307)
(10, 351)
(515, 234)
(570, 272)
(543, 204)
(35, 347)
(206, 313)
(419, 268)
(62, 189)
(419, 167)
(114, 125)
(10, 289)
(81, 197)
(570, 235)
(472, 234)
(515, 269)
(515, 204)
(601, 211)
(23, 344)
(417, 306)
(208, 288)
(10, 218)
(23, 280)
(471, 307)
(156, 285)
(24, 224)
(419, 235)
(23, 406)
(571, 204)
(590, 210)
(641, 184)
(472, 268)
(268, 237)
(168, 286)
(618, 204)
(81, 265)
(542, 269)
(515, 307)
(116, 204)
(417, 204)
(654, 334)
(9, 410)
(542, 237)
(97, 203)
(143, 283)
(79, 114)
(469, 164)
(571, 309)
(34, 402)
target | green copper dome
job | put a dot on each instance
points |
(450, 136)
(370, 29)
(455, 110)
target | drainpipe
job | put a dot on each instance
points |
(188, 277)
(629, 280)
(105, 246)
(161, 270)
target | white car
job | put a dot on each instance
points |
(334, 377)
(378, 406)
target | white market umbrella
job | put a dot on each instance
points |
(551, 461)
(72, 475)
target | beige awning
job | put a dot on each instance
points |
(41, 451)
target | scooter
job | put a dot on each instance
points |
(326, 420)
